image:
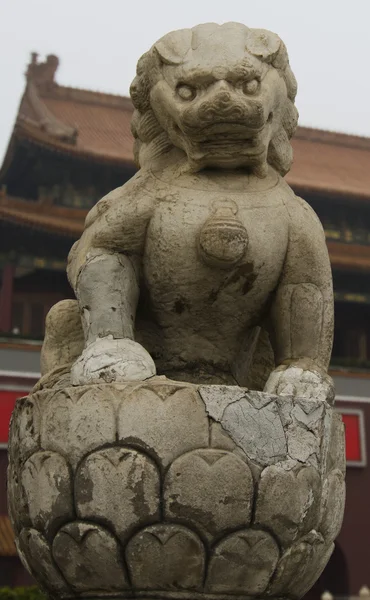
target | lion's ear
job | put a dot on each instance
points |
(263, 43)
(173, 47)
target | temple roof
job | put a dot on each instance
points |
(82, 123)
(96, 126)
(42, 216)
(332, 163)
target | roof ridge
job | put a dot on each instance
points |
(327, 136)
(85, 96)
(90, 91)
(46, 120)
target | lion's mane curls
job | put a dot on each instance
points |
(151, 140)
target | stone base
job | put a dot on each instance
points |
(161, 489)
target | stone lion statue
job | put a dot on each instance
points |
(205, 266)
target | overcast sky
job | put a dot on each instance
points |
(99, 41)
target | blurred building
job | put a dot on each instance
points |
(68, 148)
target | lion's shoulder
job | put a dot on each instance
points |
(301, 215)
(125, 197)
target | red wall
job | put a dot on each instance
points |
(7, 401)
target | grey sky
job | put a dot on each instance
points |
(99, 41)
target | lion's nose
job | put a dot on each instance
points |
(223, 102)
(224, 97)
(222, 90)
(220, 100)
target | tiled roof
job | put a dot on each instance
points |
(331, 162)
(103, 128)
(60, 220)
(96, 126)
(7, 546)
(78, 122)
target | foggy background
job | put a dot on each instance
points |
(98, 43)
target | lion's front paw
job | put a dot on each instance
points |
(294, 380)
(107, 360)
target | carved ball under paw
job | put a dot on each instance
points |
(107, 360)
(294, 380)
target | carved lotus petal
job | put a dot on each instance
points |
(305, 434)
(301, 566)
(209, 489)
(242, 563)
(89, 558)
(251, 418)
(77, 421)
(48, 489)
(332, 509)
(121, 487)
(24, 430)
(166, 557)
(37, 558)
(336, 458)
(164, 419)
(288, 503)
(17, 503)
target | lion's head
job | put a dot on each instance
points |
(221, 94)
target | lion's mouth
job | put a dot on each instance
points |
(226, 131)
(226, 144)
(231, 145)
(230, 137)
(239, 139)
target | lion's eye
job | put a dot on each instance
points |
(186, 92)
(251, 87)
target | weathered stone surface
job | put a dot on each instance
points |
(64, 340)
(269, 429)
(242, 563)
(219, 438)
(200, 520)
(37, 558)
(22, 556)
(218, 398)
(300, 566)
(177, 417)
(332, 508)
(303, 378)
(304, 433)
(336, 452)
(78, 420)
(252, 419)
(89, 558)
(209, 489)
(24, 431)
(47, 484)
(102, 362)
(287, 502)
(17, 502)
(120, 486)
(166, 557)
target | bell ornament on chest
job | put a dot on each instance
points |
(223, 239)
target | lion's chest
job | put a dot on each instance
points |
(206, 249)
